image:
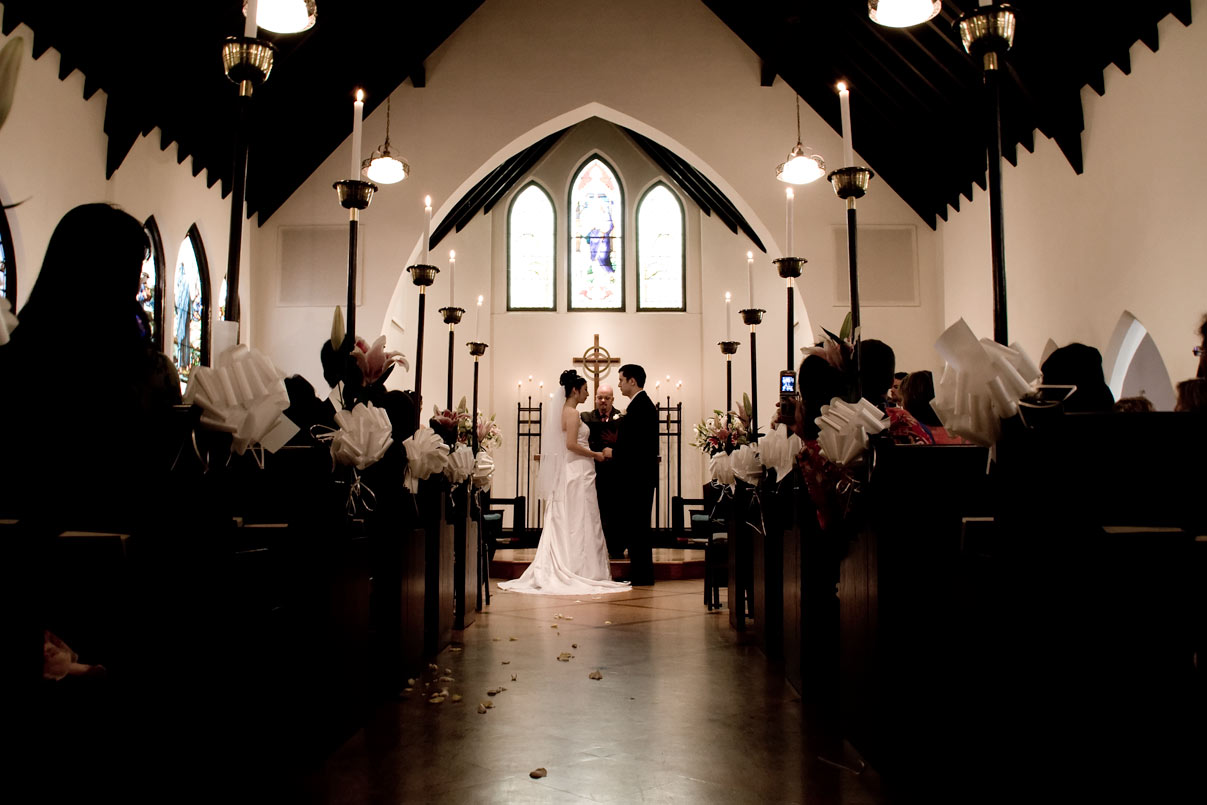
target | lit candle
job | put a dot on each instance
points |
(358, 109)
(788, 240)
(844, 101)
(750, 280)
(427, 227)
(478, 320)
(727, 338)
(452, 263)
(249, 25)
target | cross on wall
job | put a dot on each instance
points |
(596, 362)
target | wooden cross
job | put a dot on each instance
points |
(597, 362)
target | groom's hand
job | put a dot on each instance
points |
(607, 451)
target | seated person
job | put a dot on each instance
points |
(916, 393)
(1133, 405)
(1192, 395)
(1080, 366)
(876, 369)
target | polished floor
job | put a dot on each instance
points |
(683, 711)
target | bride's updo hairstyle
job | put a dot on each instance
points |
(571, 381)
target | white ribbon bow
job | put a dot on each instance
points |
(364, 436)
(845, 427)
(460, 464)
(745, 464)
(778, 451)
(427, 454)
(244, 395)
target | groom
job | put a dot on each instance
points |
(636, 456)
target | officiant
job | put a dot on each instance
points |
(604, 423)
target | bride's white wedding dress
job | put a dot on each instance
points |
(572, 557)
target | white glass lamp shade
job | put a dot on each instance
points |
(285, 16)
(903, 13)
(385, 168)
(801, 168)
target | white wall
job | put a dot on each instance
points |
(1127, 234)
(52, 152)
(517, 71)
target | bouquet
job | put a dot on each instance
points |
(455, 426)
(720, 433)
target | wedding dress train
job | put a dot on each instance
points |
(572, 557)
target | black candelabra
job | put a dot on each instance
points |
(988, 33)
(849, 184)
(728, 349)
(477, 349)
(452, 317)
(753, 316)
(354, 196)
(790, 268)
(247, 62)
(422, 276)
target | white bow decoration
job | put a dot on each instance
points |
(460, 464)
(427, 454)
(484, 469)
(845, 427)
(243, 394)
(981, 384)
(746, 466)
(720, 469)
(363, 437)
(778, 451)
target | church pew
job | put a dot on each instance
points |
(438, 609)
(466, 565)
(900, 628)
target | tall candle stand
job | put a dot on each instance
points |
(728, 349)
(477, 349)
(988, 33)
(422, 276)
(753, 316)
(354, 196)
(790, 268)
(850, 184)
(247, 63)
(452, 317)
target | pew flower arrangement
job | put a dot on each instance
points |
(720, 433)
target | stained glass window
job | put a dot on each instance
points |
(660, 253)
(151, 283)
(596, 247)
(190, 308)
(8, 267)
(530, 262)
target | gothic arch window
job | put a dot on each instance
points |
(531, 265)
(661, 267)
(596, 264)
(191, 307)
(8, 265)
(151, 283)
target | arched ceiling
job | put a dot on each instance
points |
(917, 121)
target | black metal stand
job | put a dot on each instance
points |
(354, 196)
(452, 317)
(422, 276)
(753, 316)
(248, 63)
(850, 184)
(988, 33)
(477, 349)
(728, 349)
(790, 268)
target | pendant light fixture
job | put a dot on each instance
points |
(903, 13)
(802, 166)
(383, 167)
(284, 16)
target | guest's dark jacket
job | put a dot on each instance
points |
(636, 450)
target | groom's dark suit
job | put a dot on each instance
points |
(636, 457)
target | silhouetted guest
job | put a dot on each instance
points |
(916, 393)
(1201, 350)
(877, 367)
(894, 394)
(1192, 395)
(1133, 405)
(88, 399)
(1081, 366)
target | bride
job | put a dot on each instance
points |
(572, 557)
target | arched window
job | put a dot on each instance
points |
(191, 307)
(531, 233)
(661, 275)
(596, 246)
(151, 284)
(8, 266)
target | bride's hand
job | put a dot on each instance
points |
(597, 456)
